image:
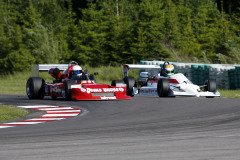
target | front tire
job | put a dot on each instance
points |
(67, 90)
(210, 85)
(115, 82)
(163, 87)
(130, 81)
(35, 88)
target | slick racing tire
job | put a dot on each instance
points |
(131, 82)
(115, 82)
(163, 87)
(210, 85)
(67, 90)
(35, 88)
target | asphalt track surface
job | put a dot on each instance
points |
(144, 128)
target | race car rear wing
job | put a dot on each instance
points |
(36, 68)
(126, 67)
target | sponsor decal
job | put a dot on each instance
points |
(113, 89)
(98, 90)
(89, 90)
(108, 98)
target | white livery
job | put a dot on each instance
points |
(167, 86)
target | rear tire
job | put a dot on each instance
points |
(35, 88)
(163, 87)
(130, 81)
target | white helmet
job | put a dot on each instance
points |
(72, 63)
(77, 70)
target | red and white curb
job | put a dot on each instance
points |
(53, 113)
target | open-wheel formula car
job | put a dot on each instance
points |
(84, 88)
(166, 86)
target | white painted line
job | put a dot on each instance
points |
(37, 106)
(11, 123)
(6, 126)
(45, 119)
(59, 115)
(75, 111)
(64, 108)
(226, 136)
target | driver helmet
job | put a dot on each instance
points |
(169, 69)
(72, 63)
(77, 70)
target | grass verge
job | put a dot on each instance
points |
(229, 93)
(8, 113)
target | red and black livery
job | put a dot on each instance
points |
(82, 89)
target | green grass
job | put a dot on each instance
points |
(16, 83)
(229, 93)
(107, 74)
(8, 113)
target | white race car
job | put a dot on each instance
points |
(175, 85)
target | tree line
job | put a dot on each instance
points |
(113, 32)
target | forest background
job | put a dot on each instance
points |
(113, 32)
